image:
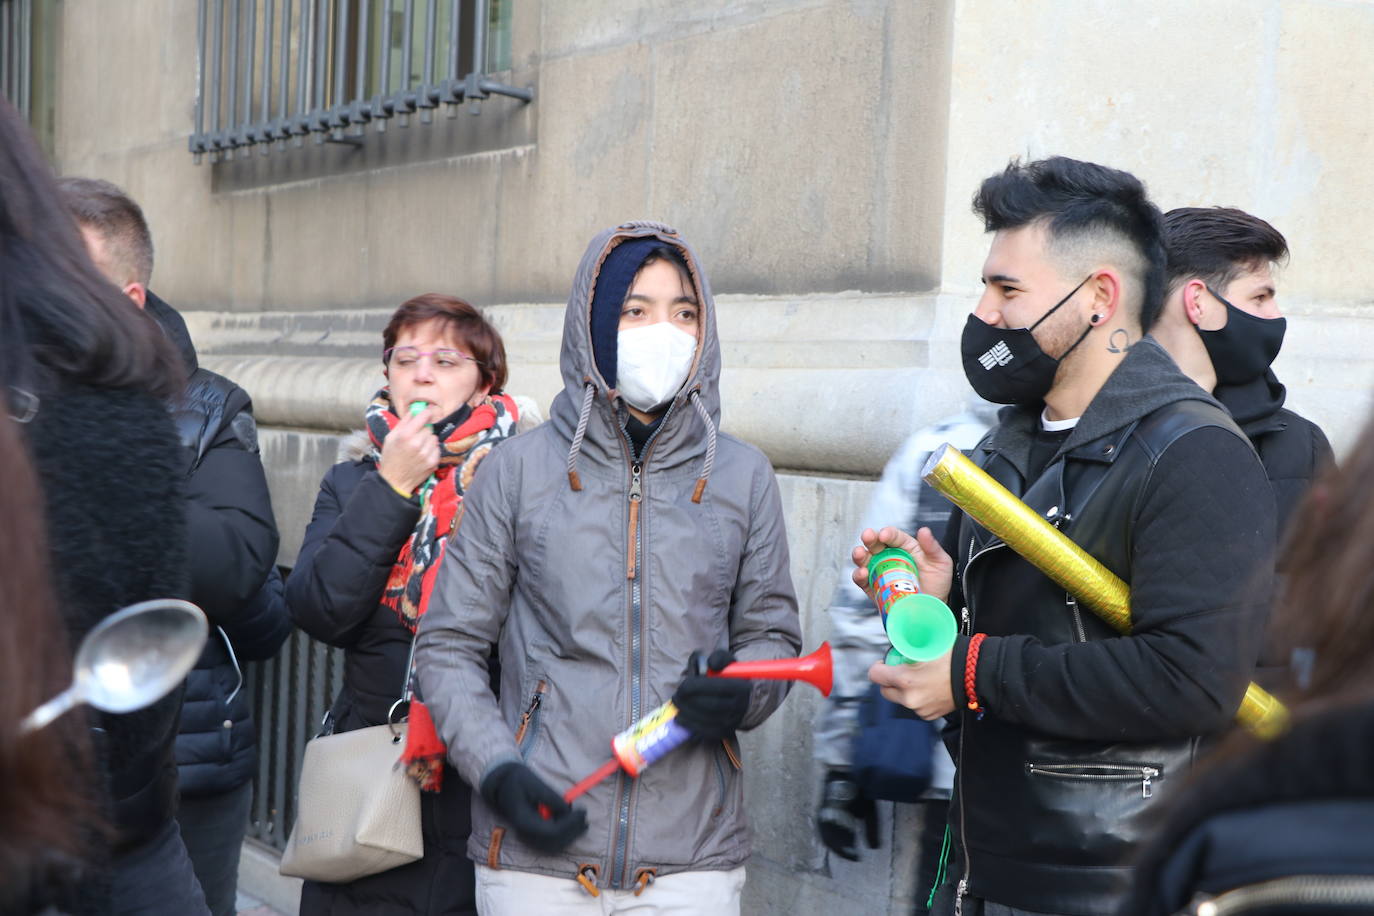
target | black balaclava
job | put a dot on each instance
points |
(613, 282)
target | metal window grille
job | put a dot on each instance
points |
(289, 694)
(16, 53)
(277, 71)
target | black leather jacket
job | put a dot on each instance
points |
(1085, 731)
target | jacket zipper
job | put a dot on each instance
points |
(636, 496)
(1072, 603)
(1304, 889)
(1107, 771)
(962, 890)
(635, 544)
(529, 717)
(1059, 520)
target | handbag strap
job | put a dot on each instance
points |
(407, 688)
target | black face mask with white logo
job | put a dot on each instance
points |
(1242, 350)
(1006, 365)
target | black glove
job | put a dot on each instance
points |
(712, 707)
(842, 809)
(518, 794)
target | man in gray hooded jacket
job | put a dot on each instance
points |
(600, 554)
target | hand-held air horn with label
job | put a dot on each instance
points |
(920, 627)
(1049, 550)
(659, 732)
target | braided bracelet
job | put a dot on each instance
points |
(971, 670)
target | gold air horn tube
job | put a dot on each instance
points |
(1049, 550)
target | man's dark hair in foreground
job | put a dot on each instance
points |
(1065, 732)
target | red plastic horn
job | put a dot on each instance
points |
(815, 669)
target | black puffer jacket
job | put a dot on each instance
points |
(1085, 731)
(232, 543)
(1297, 811)
(111, 472)
(358, 528)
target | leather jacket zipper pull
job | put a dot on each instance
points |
(636, 496)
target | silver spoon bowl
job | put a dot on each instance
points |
(130, 660)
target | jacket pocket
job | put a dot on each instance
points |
(1125, 774)
(527, 732)
(728, 763)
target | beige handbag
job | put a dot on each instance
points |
(357, 812)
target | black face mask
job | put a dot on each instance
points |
(1242, 350)
(1006, 365)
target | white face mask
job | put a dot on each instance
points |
(652, 363)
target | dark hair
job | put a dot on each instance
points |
(673, 255)
(59, 316)
(102, 206)
(46, 816)
(1083, 206)
(1217, 244)
(464, 322)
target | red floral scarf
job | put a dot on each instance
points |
(408, 588)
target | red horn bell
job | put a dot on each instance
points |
(815, 669)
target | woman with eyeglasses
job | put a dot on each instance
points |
(364, 571)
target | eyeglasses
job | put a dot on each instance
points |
(444, 360)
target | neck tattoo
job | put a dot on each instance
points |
(1120, 341)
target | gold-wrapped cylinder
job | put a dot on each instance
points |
(1075, 570)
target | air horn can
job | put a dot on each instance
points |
(919, 626)
(659, 732)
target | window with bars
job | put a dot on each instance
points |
(27, 63)
(16, 52)
(273, 72)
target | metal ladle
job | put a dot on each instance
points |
(130, 660)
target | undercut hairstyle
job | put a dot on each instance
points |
(476, 335)
(113, 215)
(1218, 244)
(60, 318)
(1092, 215)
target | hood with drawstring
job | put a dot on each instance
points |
(594, 577)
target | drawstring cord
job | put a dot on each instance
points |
(695, 398)
(941, 869)
(588, 393)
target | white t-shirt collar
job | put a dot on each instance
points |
(1056, 426)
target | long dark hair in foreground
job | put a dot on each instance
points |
(1325, 609)
(1324, 616)
(44, 817)
(59, 317)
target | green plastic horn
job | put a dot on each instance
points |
(919, 626)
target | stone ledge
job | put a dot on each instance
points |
(845, 421)
(824, 384)
(827, 384)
